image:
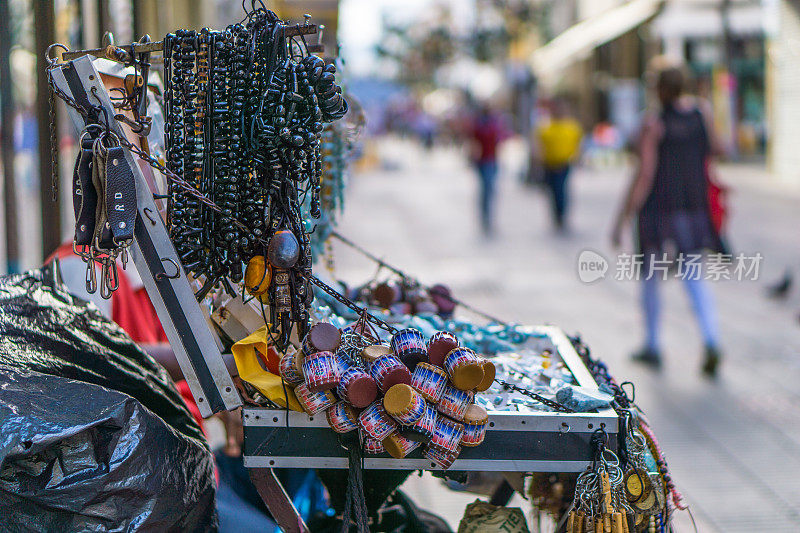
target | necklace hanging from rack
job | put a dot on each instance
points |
(244, 110)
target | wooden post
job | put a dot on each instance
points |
(9, 190)
(277, 501)
(44, 22)
(103, 18)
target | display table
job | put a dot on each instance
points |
(538, 441)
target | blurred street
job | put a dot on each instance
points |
(733, 445)
(398, 124)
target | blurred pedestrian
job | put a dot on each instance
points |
(425, 128)
(486, 133)
(559, 145)
(669, 196)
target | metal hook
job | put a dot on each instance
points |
(110, 277)
(148, 213)
(91, 275)
(637, 438)
(105, 289)
(136, 127)
(119, 102)
(101, 108)
(53, 61)
(163, 275)
(83, 254)
(632, 397)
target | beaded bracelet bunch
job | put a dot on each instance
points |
(245, 110)
(399, 397)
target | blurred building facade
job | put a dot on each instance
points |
(723, 44)
(597, 56)
(600, 51)
(783, 92)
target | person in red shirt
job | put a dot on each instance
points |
(238, 503)
(130, 307)
(486, 133)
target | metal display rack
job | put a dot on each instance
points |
(157, 262)
(184, 322)
(540, 441)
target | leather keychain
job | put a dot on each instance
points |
(120, 196)
(84, 195)
(103, 238)
(113, 189)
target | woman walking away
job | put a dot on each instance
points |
(669, 195)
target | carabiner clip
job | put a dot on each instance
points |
(91, 275)
(110, 281)
(124, 256)
(83, 254)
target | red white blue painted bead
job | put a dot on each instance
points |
(376, 422)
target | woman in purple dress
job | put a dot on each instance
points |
(669, 198)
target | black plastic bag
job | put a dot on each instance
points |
(46, 329)
(93, 435)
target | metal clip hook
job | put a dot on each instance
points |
(91, 275)
(139, 128)
(110, 277)
(83, 254)
(52, 61)
(124, 256)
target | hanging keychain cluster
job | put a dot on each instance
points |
(649, 495)
(245, 109)
(600, 504)
(104, 203)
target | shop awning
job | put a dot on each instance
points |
(573, 44)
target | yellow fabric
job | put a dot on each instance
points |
(559, 141)
(270, 385)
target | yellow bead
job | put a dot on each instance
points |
(257, 276)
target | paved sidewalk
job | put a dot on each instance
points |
(733, 445)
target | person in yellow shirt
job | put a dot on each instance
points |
(559, 144)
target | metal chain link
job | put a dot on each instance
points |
(538, 397)
(330, 291)
(55, 171)
(380, 262)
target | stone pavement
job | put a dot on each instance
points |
(733, 445)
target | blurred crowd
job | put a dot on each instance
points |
(674, 199)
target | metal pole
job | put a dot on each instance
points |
(7, 140)
(44, 22)
(138, 19)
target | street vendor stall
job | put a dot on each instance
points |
(219, 189)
